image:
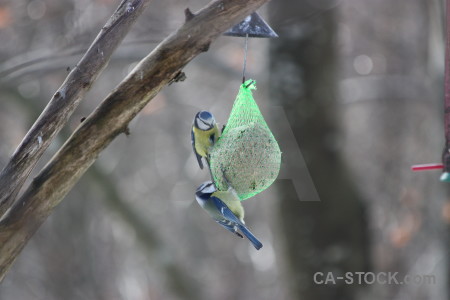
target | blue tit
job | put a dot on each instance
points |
(204, 135)
(226, 209)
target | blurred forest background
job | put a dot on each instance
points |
(354, 88)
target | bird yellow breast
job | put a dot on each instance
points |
(233, 203)
(203, 142)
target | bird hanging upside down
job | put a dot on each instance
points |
(226, 209)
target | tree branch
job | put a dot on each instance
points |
(66, 100)
(111, 118)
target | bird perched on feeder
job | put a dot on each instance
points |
(204, 135)
(226, 209)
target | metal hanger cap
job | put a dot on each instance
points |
(253, 26)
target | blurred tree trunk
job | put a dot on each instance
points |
(393, 66)
(327, 235)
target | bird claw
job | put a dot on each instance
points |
(238, 234)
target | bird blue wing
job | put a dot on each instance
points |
(225, 211)
(199, 158)
(230, 226)
(231, 217)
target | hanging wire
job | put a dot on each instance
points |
(245, 58)
(447, 93)
(445, 165)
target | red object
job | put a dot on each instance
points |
(426, 167)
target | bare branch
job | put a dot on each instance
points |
(111, 118)
(66, 100)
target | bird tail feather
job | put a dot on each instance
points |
(256, 243)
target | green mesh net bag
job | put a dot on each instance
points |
(247, 151)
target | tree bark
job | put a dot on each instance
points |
(66, 100)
